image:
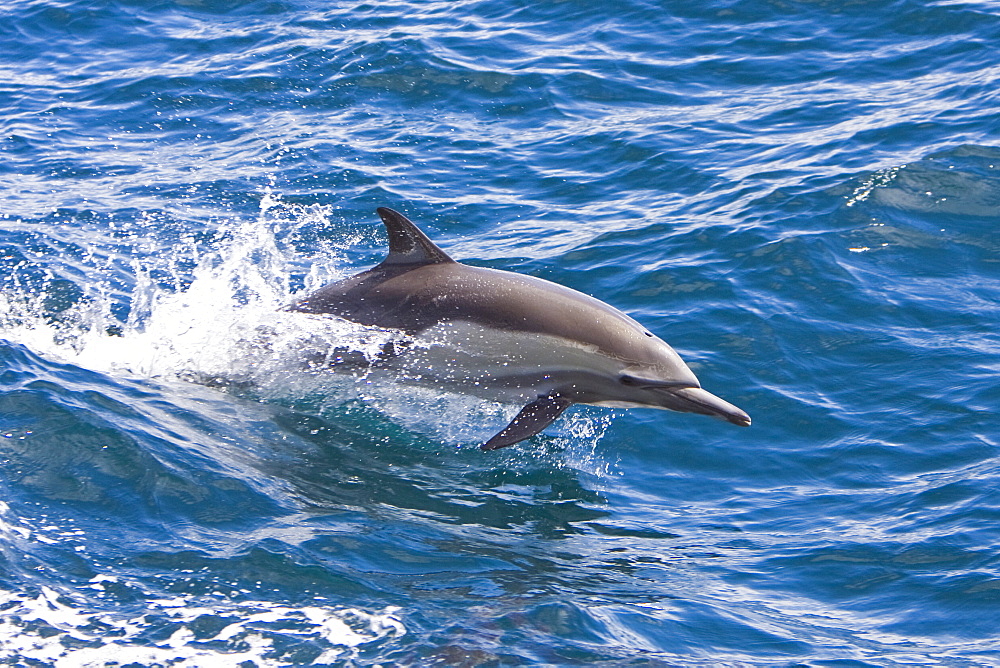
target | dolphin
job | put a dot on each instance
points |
(509, 337)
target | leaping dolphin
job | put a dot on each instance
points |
(510, 337)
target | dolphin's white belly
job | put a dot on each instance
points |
(500, 365)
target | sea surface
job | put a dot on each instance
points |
(801, 196)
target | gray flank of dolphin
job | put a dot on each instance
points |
(510, 337)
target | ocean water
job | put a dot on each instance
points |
(802, 197)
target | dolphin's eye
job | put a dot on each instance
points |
(630, 381)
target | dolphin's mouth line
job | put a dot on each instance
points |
(643, 384)
(670, 387)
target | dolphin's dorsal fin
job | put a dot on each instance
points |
(407, 244)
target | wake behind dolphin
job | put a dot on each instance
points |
(509, 337)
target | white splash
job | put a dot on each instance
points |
(222, 324)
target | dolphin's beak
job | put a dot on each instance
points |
(697, 400)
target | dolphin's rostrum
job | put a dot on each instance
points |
(510, 337)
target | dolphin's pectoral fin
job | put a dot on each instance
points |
(533, 418)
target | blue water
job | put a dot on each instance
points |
(801, 197)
